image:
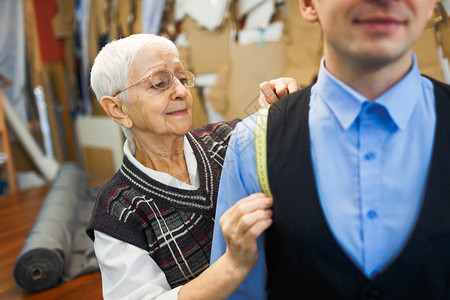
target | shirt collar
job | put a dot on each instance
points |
(345, 103)
(129, 150)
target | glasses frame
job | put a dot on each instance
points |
(149, 76)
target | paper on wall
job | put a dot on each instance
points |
(272, 33)
(260, 16)
(251, 65)
(245, 6)
(208, 13)
(182, 40)
(446, 5)
(208, 49)
(152, 11)
(179, 10)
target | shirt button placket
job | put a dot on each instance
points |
(370, 182)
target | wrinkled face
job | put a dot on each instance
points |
(155, 112)
(371, 31)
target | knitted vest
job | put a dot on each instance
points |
(174, 225)
(303, 258)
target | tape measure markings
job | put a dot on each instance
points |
(261, 150)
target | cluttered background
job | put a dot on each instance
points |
(48, 46)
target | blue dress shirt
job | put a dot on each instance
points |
(370, 161)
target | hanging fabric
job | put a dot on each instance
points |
(12, 54)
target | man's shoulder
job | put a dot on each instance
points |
(438, 84)
(290, 106)
(442, 96)
(292, 100)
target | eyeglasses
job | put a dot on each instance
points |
(163, 79)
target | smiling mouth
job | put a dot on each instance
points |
(380, 24)
(178, 112)
(380, 21)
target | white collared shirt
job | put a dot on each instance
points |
(128, 272)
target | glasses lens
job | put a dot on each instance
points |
(161, 79)
(186, 78)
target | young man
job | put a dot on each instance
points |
(357, 164)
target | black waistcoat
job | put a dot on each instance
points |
(304, 260)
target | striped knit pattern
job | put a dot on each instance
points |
(175, 226)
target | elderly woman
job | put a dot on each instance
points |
(152, 223)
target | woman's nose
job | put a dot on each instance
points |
(179, 90)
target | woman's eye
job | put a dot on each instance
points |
(160, 84)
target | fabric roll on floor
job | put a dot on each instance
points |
(57, 248)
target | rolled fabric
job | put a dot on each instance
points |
(39, 269)
(56, 248)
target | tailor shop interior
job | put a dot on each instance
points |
(50, 116)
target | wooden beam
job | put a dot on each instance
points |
(39, 74)
(5, 147)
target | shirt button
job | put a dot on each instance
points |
(369, 156)
(371, 214)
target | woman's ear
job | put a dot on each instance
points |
(431, 8)
(114, 107)
(308, 10)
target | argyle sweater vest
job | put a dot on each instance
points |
(174, 225)
(304, 261)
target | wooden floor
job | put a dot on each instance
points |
(17, 215)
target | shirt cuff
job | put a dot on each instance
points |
(170, 295)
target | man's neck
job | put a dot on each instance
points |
(370, 80)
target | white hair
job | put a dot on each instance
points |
(109, 73)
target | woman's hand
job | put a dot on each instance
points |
(241, 226)
(273, 90)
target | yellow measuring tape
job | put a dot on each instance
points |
(261, 150)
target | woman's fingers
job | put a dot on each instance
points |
(293, 86)
(244, 206)
(253, 224)
(246, 226)
(273, 90)
(241, 226)
(241, 241)
(267, 94)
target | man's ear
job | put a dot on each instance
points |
(308, 10)
(114, 107)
